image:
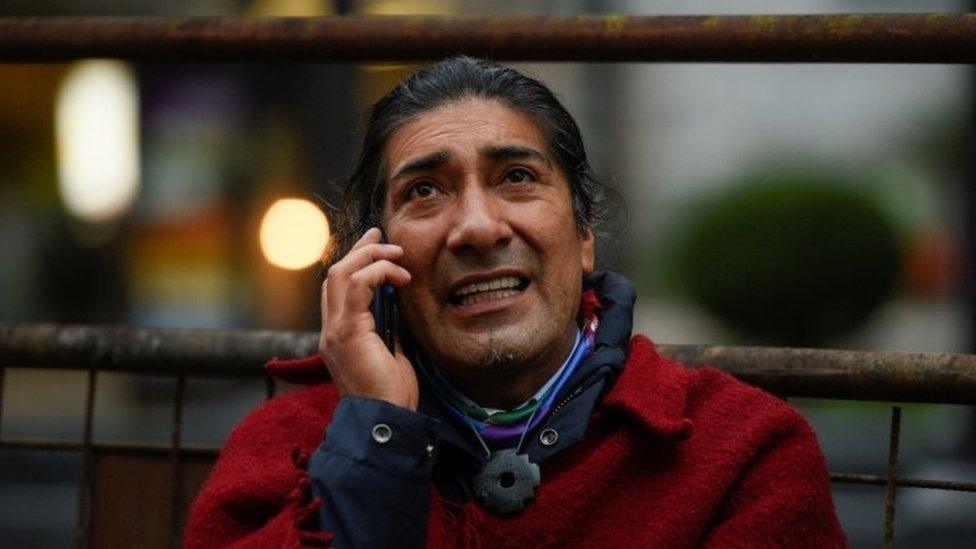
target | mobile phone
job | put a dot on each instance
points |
(385, 315)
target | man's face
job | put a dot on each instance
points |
(484, 215)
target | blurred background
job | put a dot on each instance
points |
(792, 204)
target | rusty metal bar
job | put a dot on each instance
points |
(891, 376)
(891, 486)
(56, 445)
(905, 482)
(177, 439)
(819, 373)
(141, 351)
(85, 486)
(27, 443)
(859, 38)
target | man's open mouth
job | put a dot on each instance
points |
(495, 288)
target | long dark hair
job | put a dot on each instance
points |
(451, 80)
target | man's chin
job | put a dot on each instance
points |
(497, 357)
(492, 356)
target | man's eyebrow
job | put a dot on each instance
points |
(422, 164)
(507, 152)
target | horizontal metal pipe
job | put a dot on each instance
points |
(890, 376)
(58, 445)
(136, 350)
(163, 450)
(905, 482)
(819, 373)
(859, 38)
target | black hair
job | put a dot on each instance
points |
(447, 81)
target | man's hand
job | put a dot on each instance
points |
(355, 354)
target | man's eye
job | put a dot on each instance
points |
(422, 189)
(518, 175)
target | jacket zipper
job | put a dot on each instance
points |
(580, 389)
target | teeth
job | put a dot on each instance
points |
(471, 299)
(500, 283)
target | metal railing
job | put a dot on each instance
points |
(852, 375)
(856, 38)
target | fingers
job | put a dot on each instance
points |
(365, 281)
(380, 272)
(363, 256)
(349, 286)
(366, 252)
(372, 235)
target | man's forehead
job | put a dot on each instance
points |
(478, 126)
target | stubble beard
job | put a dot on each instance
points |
(496, 357)
(493, 360)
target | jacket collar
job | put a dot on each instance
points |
(652, 390)
(307, 370)
(649, 388)
(615, 296)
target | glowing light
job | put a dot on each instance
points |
(409, 7)
(97, 125)
(291, 8)
(294, 233)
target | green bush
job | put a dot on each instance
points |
(790, 259)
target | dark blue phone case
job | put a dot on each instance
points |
(384, 310)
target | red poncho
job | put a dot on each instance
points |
(673, 457)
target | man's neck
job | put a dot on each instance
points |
(523, 381)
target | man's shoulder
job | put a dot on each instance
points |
(301, 405)
(711, 395)
(296, 418)
(720, 420)
(311, 396)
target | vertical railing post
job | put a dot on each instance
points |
(85, 480)
(174, 457)
(891, 485)
(2, 372)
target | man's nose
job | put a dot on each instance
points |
(479, 223)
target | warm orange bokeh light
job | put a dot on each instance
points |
(294, 233)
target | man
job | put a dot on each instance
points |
(515, 409)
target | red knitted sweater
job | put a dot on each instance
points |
(673, 457)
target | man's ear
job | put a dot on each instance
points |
(587, 251)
